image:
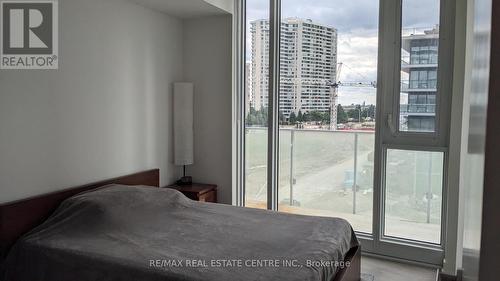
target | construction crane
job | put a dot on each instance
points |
(334, 96)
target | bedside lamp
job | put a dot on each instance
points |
(183, 128)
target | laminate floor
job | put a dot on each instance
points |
(384, 270)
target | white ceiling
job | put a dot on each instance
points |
(184, 9)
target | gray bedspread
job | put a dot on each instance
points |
(145, 234)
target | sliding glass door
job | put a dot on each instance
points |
(346, 114)
(327, 104)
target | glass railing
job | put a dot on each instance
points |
(429, 84)
(323, 173)
(425, 60)
(417, 108)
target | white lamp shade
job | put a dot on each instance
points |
(183, 124)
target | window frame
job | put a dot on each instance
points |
(388, 110)
(392, 133)
(389, 136)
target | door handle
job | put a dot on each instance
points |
(390, 124)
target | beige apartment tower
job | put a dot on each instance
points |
(308, 60)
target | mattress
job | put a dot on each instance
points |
(136, 233)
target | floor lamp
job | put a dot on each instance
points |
(183, 128)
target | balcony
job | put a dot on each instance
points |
(330, 173)
(424, 109)
(429, 85)
(418, 61)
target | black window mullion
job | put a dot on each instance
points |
(273, 105)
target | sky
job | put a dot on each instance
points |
(357, 24)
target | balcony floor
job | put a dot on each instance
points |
(363, 221)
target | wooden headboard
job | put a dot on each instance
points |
(18, 217)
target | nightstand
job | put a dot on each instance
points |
(198, 191)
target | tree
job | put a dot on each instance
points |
(292, 119)
(262, 117)
(257, 117)
(306, 117)
(326, 117)
(369, 111)
(300, 117)
(353, 113)
(316, 116)
(341, 114)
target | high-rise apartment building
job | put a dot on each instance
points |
(248, 85)
(260, 63)
(308, 60)
(419, 79)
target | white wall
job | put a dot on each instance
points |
(105, 112)
(208, 63)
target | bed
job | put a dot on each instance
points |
(124, 229)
